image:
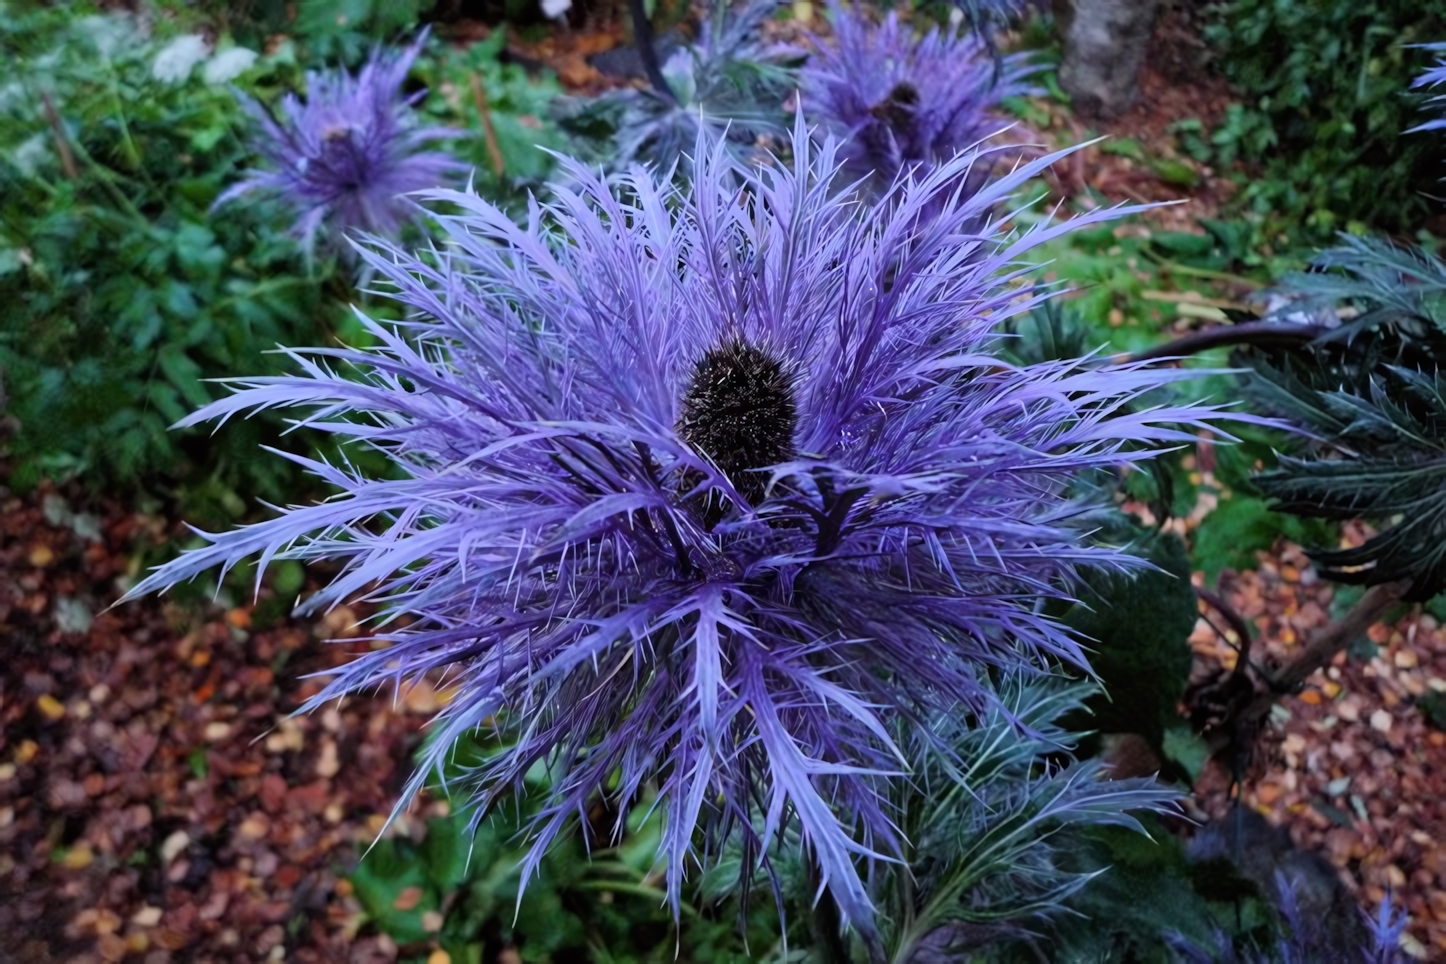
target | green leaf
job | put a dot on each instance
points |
(1138, 626)
(206, 138)
(1433, 708)
(1175, 172)
(1187, 748)
(384, 882)
(446, 851)
(1242, 525)
(167, 401)
(1124, 147)
(287, 579)
(183, 374)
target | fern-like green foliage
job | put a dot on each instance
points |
(987, 818)
(1373, 394)
(1125, 914)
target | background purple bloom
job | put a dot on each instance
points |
(343, 157)
(730, 84)
(708, 489)
(901, 101)
(1430, 80)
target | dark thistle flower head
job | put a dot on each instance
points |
(903, 102)
(738, 411)
(1429, 81)
(701, 487)
(343, 157)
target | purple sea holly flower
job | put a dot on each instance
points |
(729, 85)
(343, 157)
(904, 102)
(708, 490)
(1429, 81)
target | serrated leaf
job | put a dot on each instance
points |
(1242, 525)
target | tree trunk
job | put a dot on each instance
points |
(1104, 45)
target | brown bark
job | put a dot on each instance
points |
(1104, 46)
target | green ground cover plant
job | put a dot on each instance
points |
(123, 293)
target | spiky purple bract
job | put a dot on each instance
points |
(1430, 80)
(343, 157)
(551, 537)
(904, 102)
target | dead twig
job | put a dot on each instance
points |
(489, 133)
(62, 143)
(1237, 622)
(1231, 710)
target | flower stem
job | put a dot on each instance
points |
(1323, 645)
(1247, 333)
(1235, 735)
(824, 922)
(643, 39)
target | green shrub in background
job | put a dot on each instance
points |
(1323, 84)
(339, 32)
(121, 292)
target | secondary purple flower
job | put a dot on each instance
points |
(729, 85)
(343, 157)
(707, 490)
(1430, 80)
(906, 102)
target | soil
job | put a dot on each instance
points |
(157, 800)
(1176, 84)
